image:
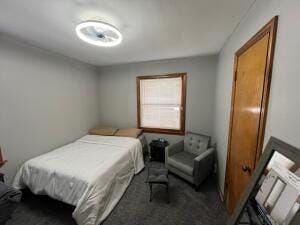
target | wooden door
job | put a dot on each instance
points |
(250, 92)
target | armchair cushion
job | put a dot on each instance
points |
(196, 143)
(174, 149)
(183, 161)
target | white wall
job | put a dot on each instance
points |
(45, 101)
(117, 92)
(284, 103)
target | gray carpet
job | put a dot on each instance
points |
(187, 207)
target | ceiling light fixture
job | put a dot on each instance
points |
(99, 33)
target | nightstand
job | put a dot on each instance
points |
(157, 150)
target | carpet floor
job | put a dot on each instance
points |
(186, 207)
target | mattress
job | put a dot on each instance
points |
(91, 173)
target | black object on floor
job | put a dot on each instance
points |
(186, 208)
(157, 150)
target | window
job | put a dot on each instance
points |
(161, 103)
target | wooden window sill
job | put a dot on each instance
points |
(163, 131)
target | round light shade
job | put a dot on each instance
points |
(99, 33)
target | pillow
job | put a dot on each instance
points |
(129, 132)
(105, 131)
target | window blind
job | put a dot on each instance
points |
(160, 103)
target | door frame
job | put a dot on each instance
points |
(270, 27)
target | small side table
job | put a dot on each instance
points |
(157, 150)
(158, 176)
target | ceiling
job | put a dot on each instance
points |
(152, 29)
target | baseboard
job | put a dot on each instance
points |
(220, 192)
(216, 175)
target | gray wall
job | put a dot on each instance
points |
(45, 101)
(284, 108)
(117, 92)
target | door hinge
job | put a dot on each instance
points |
(235, 75)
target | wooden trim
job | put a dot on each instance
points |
(172, 75)
(271, 28)
(230, 128)
(183, 104)
(181, 131)
(162, 131)
(266, 92)
(138, 91)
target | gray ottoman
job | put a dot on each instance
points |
(158, 176)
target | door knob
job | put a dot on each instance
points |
(246, 168)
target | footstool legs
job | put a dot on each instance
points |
(158, 176)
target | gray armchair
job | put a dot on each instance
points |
(192, 159)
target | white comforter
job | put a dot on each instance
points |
(91, 173)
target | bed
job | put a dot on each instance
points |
(91, 174)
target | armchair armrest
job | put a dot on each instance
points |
(203, 165)
(173, 149)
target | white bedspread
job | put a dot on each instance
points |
(91, 173)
